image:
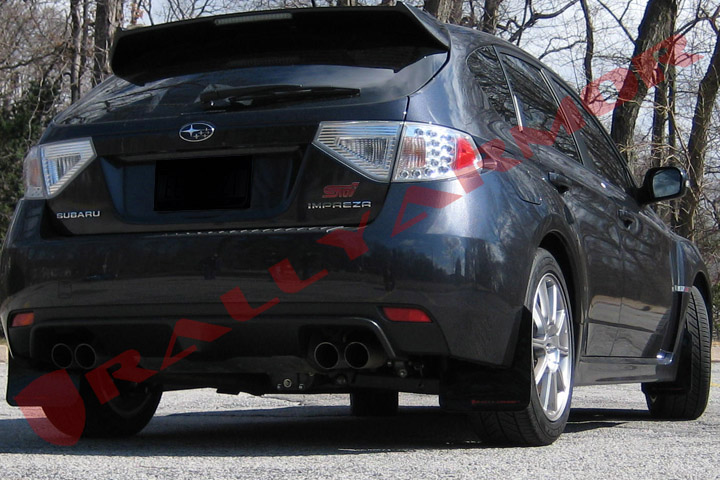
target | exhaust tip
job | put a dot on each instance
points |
(357, 355)
(85, 356)
(326, 355)
(360, 355)
(61, 355)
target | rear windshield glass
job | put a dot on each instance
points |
(119, 100)
(337, 55)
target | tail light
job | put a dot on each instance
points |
(431, 152)
(367, 147)
(420, 151)
(47, 169)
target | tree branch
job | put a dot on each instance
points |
(618, 20)
(537, 16)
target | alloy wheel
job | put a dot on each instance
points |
(551, 346)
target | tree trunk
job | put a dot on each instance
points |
(108, 17)
(589, 42)
(135, 11)
(76, 28)
(658, 146)
(448, 11)
(659, 149)
(672, 138)
(490, 16)
(655, 26)
(707, 94)
(86, 42)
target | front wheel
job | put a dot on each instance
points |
(686, 398)
(545, 417)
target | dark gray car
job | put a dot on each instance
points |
(292, 201)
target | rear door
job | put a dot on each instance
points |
(646, 246)
(591, 203)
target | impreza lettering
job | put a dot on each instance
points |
(341, 205)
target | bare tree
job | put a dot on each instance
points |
(589, 42)
(137, 10)
(490, 16)
(147, 10)
(620, 20)
(184, 9)
(108, 17)
(663, 108)
(531, 17)
(656, 26)
(697, 144)
(76, 47)
(449, 11)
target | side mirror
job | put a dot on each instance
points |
(662, 183)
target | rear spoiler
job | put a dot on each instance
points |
(275, 36)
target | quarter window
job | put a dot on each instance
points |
(485, 66)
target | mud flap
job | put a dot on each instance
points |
(466, 387)
(22, 374)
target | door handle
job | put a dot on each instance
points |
(560, 181)
(627, 217)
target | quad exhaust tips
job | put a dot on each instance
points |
(84, 356)
(356, 355)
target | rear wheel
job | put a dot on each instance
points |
(124, 415)
(545, 417)
(687, 398)
(379, 403)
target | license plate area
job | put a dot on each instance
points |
(203, 184)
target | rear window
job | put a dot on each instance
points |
(118, 100)
(162, 71)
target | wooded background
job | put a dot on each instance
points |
(54, 51)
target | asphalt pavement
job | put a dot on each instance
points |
(201, 434)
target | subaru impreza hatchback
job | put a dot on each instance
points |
(359, 200)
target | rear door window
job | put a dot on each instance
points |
(535, 102)
(598, 147)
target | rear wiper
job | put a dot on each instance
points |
(259, 95)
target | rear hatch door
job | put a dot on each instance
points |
(210, 124)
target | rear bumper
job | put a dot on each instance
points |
(127, 292)
(287, 330)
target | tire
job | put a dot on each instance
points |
(687, 398)
(552, 369)
(378, 403)
(123, 416)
